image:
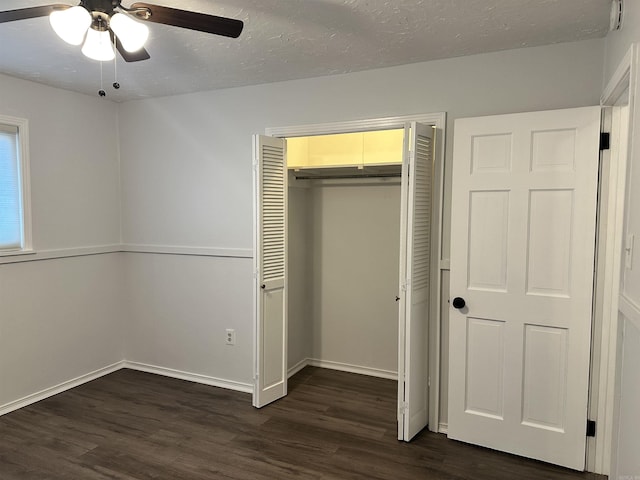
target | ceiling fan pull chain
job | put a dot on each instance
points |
(101, 92)
(116, 85)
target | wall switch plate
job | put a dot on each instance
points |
(230, 338)
(628, 251)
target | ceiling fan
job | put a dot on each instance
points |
(99, 24)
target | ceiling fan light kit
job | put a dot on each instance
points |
(98, 46)
(103, 26)
(71, 24)
(89, 21)
(76, 25)
(133, 35)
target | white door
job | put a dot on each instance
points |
(270, 266)
(415, 249)
(522, 259)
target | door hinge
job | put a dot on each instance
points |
(591, 428)
(402, 408)
(605, 141)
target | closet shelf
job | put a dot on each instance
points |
(348, 171)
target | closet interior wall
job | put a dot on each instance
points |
(344, 239)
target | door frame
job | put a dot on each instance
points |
(437, 120)
(603, 388)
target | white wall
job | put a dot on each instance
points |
(186, 160)
(185, 181)
(75, 193)
(182, 306)
(60, 319)
(355, 249)
(625, 460)
(299, 263)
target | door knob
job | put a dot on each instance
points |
(458, 303)
(263, 286)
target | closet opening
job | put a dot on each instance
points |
(344, 197)
(347, 228)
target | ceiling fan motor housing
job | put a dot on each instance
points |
(104, 6)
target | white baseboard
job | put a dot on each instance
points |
(61, 387)
(167, 372)
(630, 310)
(343, 367)
(443, 428)
(297, 367)
(191, 377)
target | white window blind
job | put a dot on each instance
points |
(11, 214)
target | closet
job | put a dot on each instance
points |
(342, 260)
(343, 251)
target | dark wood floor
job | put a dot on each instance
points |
(332, 426)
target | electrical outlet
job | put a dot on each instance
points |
(230, 338)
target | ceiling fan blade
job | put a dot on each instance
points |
(136, 56)
(32, 12)
(228, 27)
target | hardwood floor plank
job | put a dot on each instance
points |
(132, 425)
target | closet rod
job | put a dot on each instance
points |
(364, 175)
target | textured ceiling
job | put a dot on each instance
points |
(291, 39)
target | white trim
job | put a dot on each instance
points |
(342, 367)
(297, 367)
(620, 79)
(183, 250)
(384, 123)
(443, 428)
(256, 218)
(25, 180)
(630, 310)
(61, 387)
(604, 445)
(347, 367)
(191, 377)
(435, 327)
(142, 367)
(16, 251)
(32, 256)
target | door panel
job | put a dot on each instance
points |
(270, 183)
(522, 257)
(485, 367)
(413, 388)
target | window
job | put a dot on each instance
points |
(15, 218)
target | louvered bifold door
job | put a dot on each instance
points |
(415, 282)
(270, 382)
